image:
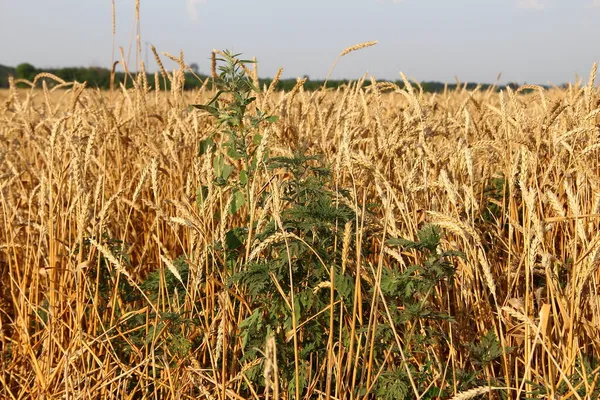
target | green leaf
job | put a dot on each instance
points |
(153, 332)
(234, 153)
(232, 241)
(214, 111)
(227, 170)
(218, 165)
(251, 323)
(222, 170)
(205, 146)
(180, 344)
(297, 309)
(272, 118)
(214, 99)
(243, 178)
(237, 202)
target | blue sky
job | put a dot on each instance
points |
(534, 41)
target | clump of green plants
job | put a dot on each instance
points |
(301, 247)
(417, 316)
(495, 192)
(286, 286)
(279, 283)
(293, 279)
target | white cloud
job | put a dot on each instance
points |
(191, 8)
(531, 4)
(594, 4)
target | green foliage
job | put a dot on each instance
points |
(312, 215)
(26, 71)
(105, 277)
(290, 273)
(487, 350)
(394, 385)
(585, 381)
(166, 281)
(237, 129)
(410, 294)
(412, 288)
(495, 191)
(436, 266)
(133, 334)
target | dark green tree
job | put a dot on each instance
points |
(26, 71)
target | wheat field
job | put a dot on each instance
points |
(118, 280)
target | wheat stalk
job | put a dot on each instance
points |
(348, 50)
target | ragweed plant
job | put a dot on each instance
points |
(237, 135)
(287, 281)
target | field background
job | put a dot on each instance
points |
(119, 280)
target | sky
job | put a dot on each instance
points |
(527, 41)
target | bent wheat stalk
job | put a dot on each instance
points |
(346, 51)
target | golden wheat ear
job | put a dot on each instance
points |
(348, 50)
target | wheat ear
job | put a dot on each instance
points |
(469, 394)
(346, 51)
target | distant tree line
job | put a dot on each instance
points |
(97, 77)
